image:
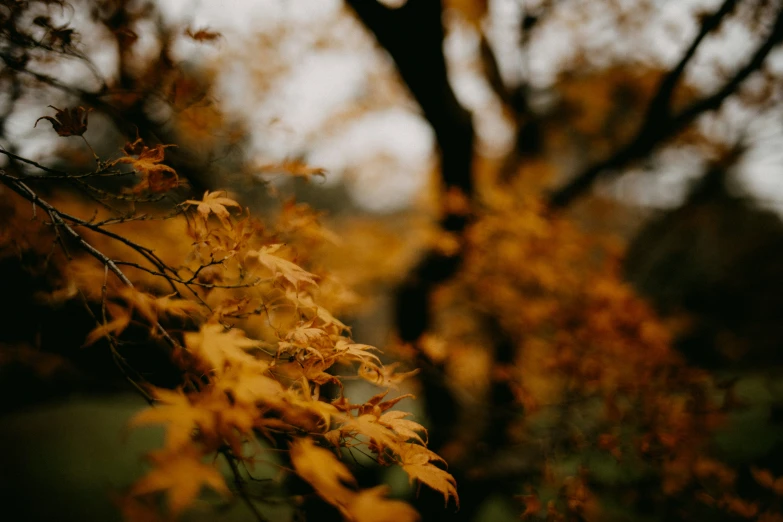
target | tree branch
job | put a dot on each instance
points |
(413, 36)
(659, 124)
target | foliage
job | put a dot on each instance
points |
(546, 378)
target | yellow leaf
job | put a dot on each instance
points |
(181, 475)
(367, 425)
(215, 203)
(334, 483)
(417, 463)
(371, 505)
(219, 348)
(114, 327)
(357, 352)
(405, 428)
(384, 375)
(178, 414)
(321, 469)
(292, 168)
(291, 272)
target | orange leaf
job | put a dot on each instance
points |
(289, 271)
(156, 177)
(181, 475)
(215, 203)
(417, 463)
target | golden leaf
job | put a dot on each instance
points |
(290, 272)
(417, 463)
(405, 428)
(292, 168)
(384, 375)
(181, 475)
(219, 348)
(371, 505)
(333, 482)
(215, 203)
(178, 414)
(321, 469)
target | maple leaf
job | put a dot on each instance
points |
(177, 307)
(321, 469)
(367, 425)
(405, 428)
(215, 203)
(181, 475)
(333, 482)
(376, 405)
(371, 505)
(156, 177)
(306, 334)
(178, 413)
(357, 352)
(219, 348)
(68, 122)
(384, 375)
(291, 272)
(121, 318)
(417, 461)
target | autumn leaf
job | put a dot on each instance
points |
(156, 177)
(179, 415)
(292, 168)
(333, 482)
(384, 375)
(417, 461)
(357, 352)
(294, 274)
(215, 203)
(181, 475)
(371, 505)
(320, 468)
(68, 122)
(406, 429)
(376, 405)
(219, 348)
(381, 436)
(121, 318)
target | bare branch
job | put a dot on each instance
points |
(657, 129)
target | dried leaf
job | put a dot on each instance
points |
(68, 122)
(156, 177)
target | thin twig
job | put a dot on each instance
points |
(241, 486)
